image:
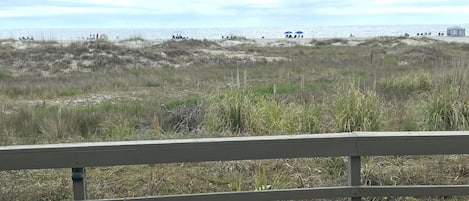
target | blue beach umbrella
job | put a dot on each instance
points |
(299, 32)
(288, 32)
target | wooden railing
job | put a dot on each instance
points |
(354, 145)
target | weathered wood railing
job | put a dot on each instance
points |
(354, 145)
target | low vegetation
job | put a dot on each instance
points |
(136, 90)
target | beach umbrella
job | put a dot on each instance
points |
(299, 32)
(288, 32)
(104, 37)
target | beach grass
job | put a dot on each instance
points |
(53, 92)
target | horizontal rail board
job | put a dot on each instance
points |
(312, 193)
(412, 143)
(271, 195)
(415, 191)
(173, 151)
(233, 148)
(356, 144)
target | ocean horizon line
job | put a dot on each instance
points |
(329, 31)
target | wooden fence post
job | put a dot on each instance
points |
(79, 183)
(354, 175)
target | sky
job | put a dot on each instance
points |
(227, 13)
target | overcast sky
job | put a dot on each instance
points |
(227, 13)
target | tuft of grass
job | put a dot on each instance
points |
(448, 105)
(229, 111)
(268, 90)
(357, 110)
(448, 110)
(55, 124)
(390, 60)
(4, 75)
(70, 92)
(281, 117)
(268, 181)
(187, 101)
(46, 186)
(243, 111)
(407, 84)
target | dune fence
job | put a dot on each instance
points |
(354, 145)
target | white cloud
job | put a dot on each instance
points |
(229, 8)
(379, 7)
(126, 7)
(244, 12)
(52, 11)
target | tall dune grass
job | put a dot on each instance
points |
(408, 83)
(448, 105)
(242, 111)
(357, 109)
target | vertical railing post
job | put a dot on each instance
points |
(79, 183)
(354, 175)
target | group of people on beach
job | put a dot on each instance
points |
(93, 37)
(430, 33)
(293, 36)
(179, 36)
(26, 38)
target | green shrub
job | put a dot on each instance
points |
(357, 110)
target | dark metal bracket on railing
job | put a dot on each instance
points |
(78, 156)
(79, 183)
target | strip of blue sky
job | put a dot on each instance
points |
(222, 13)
